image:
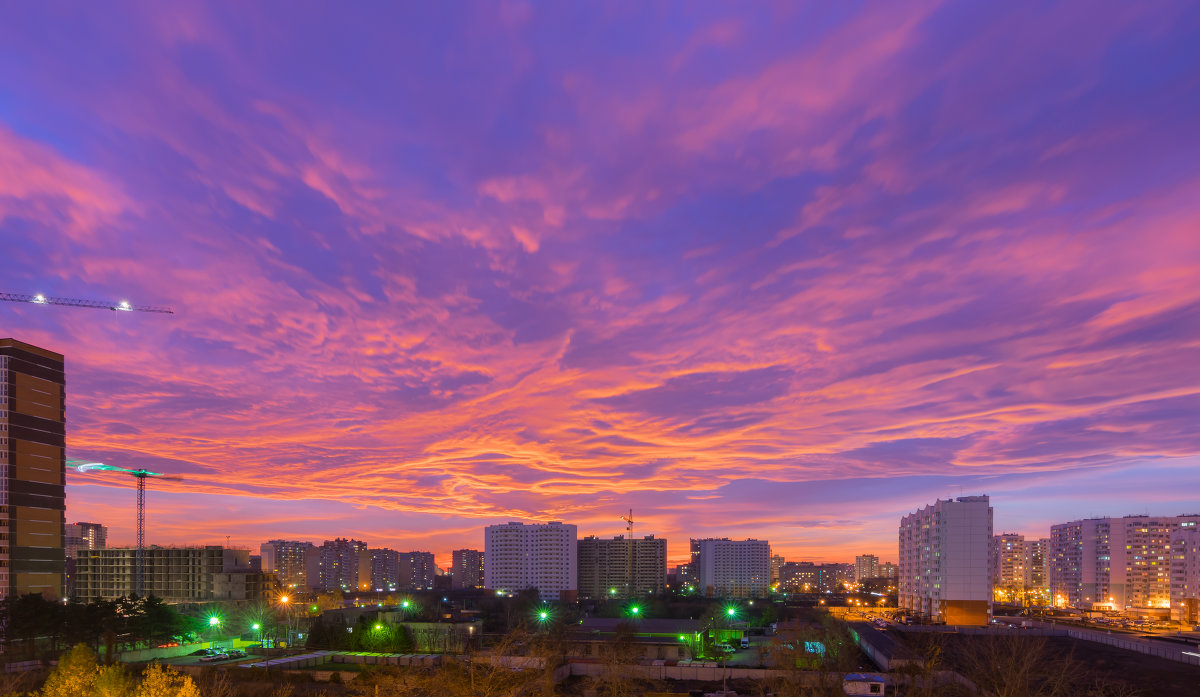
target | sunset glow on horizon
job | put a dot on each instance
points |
(779, 271)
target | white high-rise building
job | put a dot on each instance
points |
(540, 555)
(733, 568)
(944, 567)
(1114, 563)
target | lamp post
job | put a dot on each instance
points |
(214, 624)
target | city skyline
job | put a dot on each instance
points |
(778, 273)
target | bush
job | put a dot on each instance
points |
(335, 678)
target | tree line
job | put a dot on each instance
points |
(33, 625)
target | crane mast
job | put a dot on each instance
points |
(629, 553)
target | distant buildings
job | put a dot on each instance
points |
(175, 574)
(604, 566)
(799, 577)
(416, 571)
(296, 564)
(345, 565)
(733, 568)
(944, 561)
(540, 556)
(1006, 561)
(385, 569)
(81, 536)
(1115, 563)
(866, 566)
(32, 456)
(777, 562)
(466, 568)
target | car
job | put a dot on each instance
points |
(745, 642)
(722, 648)
(236, 653)
(201, 652)
(215, 657)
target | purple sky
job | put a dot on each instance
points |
(766, 270)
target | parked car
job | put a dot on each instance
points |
(722, 648)
(215, 657)
(236, 653)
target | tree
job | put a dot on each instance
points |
(112, 681)
(75, 675)
(158, 681)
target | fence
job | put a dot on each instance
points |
(1172, 652)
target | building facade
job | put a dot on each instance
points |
(1006, 563)
(799, 577)
(345, 565)
(866, 566)
(466, 568)
(175, 574)
(1185, 574)
(289, 560)
(32, 455)
(944, 568)
(385, 569)
(621, 567)
(81, 536)
(733, 568)
(1114, 563)
(417, 571)
(540, 556)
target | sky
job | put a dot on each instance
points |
(777, 270)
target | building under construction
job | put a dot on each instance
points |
(175, 574)
(604, 566)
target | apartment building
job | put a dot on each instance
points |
(33, 464)
(605, 566)
(1006, 560)
(345, 565)
(733, 568)
(466, 568)
(1185, 574)
(417, 571)
(944, 567)
(291, 561)
(866, 566)
(540, 556)
(1114, 563)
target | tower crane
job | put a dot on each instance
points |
(122, 306)
(141, 475)
(629, 554)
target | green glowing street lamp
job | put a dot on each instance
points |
(635, 610)
(404, 604)
(731, 611)
(214, 621)
(543, 615)
(256, 626)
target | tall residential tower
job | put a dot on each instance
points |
(32, 455)
(944, 567)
